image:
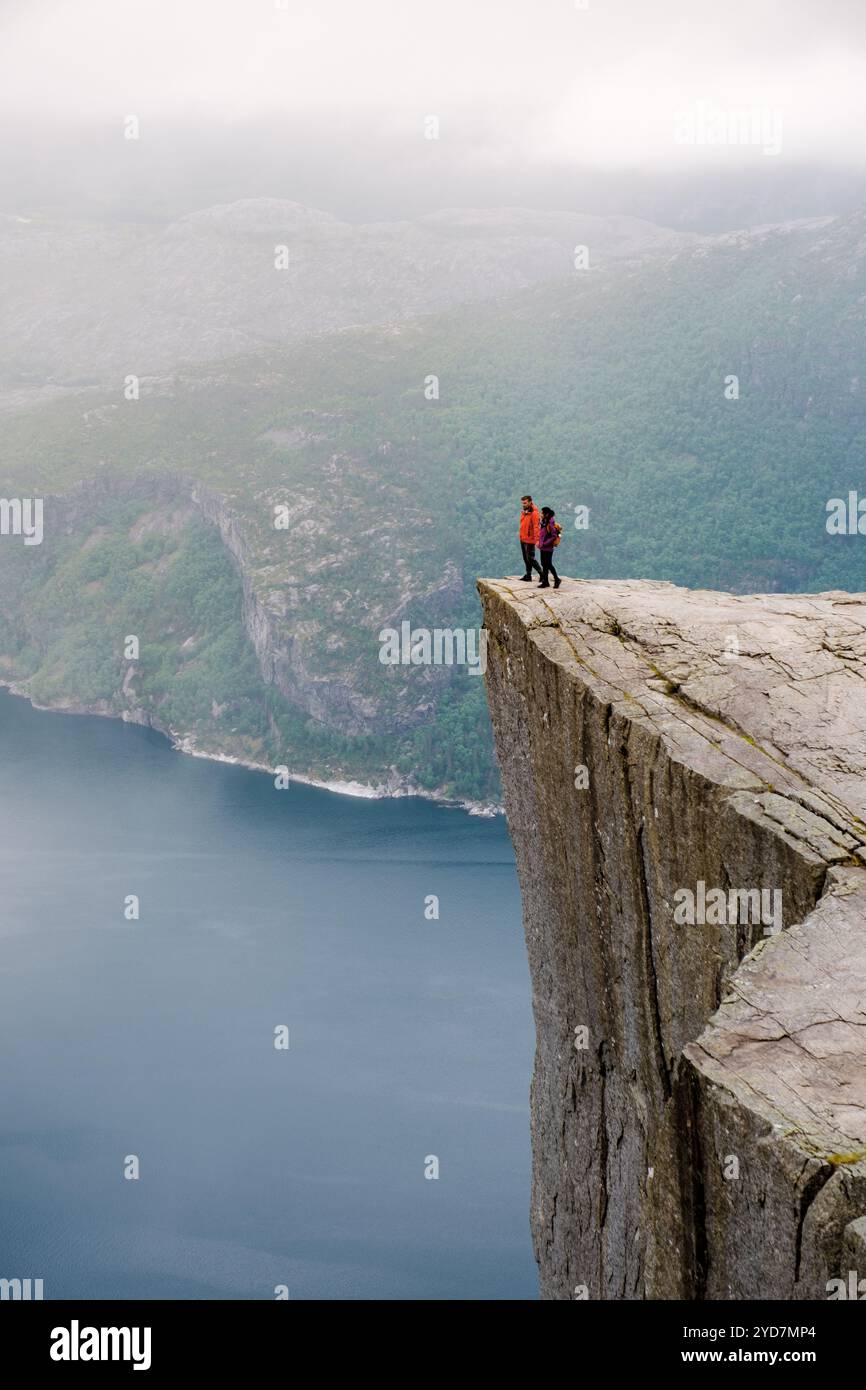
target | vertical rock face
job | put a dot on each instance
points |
(287, 633)
(685, 782)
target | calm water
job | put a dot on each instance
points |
(259, 1167)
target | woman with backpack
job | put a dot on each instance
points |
(548, 540)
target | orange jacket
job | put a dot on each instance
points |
(529, 526)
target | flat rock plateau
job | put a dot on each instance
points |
(699, 1095)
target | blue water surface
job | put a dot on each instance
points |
(259, 1167)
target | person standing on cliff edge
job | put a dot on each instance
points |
(548, 540)
(530, 526)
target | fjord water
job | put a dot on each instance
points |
(155, 1038)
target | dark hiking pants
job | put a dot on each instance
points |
(529, 559)
(547, 566)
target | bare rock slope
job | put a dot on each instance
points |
(699, 1097)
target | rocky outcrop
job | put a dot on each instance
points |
(685, 783)
(282, 584)
(289, 640)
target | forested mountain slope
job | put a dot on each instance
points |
(607, 388)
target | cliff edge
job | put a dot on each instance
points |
(685, 782)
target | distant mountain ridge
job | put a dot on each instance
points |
(88, 303)
(704, 400)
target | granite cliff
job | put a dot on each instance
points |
(242, 654)
(699, 1096)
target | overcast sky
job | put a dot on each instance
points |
(543, 79)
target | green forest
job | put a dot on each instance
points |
(611, 391)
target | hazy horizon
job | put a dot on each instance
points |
(686, 114)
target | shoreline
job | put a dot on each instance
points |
(185, 744)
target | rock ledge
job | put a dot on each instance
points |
(699, 1097)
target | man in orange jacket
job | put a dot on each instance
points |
(529, 535)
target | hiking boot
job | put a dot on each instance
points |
(556, 583)
(542, 586)
(524, 578)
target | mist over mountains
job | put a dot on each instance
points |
(87, 302)
(305, 389)
(365, 171)
(90, 302)
(298, 300)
